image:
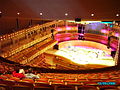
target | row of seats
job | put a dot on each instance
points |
(61, 63)
(39, 61)
(58, 81)
(12, 46)
(20, 56)
(6, 67)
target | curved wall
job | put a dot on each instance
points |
(60, 37)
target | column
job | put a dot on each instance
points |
(66, 24)
(117, 55)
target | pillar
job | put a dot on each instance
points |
(117, 56)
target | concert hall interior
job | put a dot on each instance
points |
(60, 45)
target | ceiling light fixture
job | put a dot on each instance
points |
(92, 14)
(66, 14)
(18, 13)
(117, 15)
(41, 14)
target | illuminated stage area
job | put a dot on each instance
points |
(85, 53)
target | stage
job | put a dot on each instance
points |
(84, 53)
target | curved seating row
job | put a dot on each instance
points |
(55, 81)
(59, 81)
(20, 56)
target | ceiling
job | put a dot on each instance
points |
(56, 9)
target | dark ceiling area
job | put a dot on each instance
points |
(56, 9)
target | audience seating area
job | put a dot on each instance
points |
(20, 40)
(55, 79)
(39, 61)
(63, 63)
(58, 81)
(27, 53)
(6, 67)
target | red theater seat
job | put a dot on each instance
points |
(23, 85)
(7, 84)
(75, 83)
(65, 87)
(43, 85)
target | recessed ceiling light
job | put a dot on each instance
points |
(0, 12)
(66, 14)
(18, 13)
(41, 14)
(117, 15)
(92, 14)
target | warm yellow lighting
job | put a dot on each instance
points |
(86, 56)
(83, 22)
(86, 53)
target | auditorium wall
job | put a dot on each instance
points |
(9, 24)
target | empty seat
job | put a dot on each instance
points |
(23, 85)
